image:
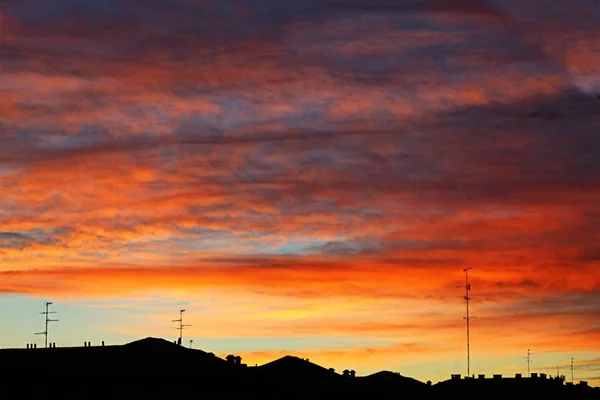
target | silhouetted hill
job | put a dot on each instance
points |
(388, 378)
(290, 365)
(386, 384)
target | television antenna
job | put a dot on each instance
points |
(181, 326)
(468, 318)
(47, 313)
(528, 362)
(572, 373)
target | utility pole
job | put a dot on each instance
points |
(572, 373)
(45, 333)
(181, 326)
(467, 287)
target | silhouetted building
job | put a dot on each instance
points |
(152, 369)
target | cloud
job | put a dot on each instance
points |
(353, 151)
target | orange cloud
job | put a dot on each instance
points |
(336, 168)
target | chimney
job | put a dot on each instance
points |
(27, 345)
(103, 343)
(534, 375)
(497, 376)
(543, 376)
(583, 383)
(352, 374)
(481, 376)
(238, 360)
(35, 345)
(346, 373)
(518, 376)
(455, 377)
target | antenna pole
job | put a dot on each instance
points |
(47, 313)
(572, 374)
(467, 297)
(529, 362)
(181, 325)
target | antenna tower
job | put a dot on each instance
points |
(572, 373)
(528, 362)
(47, 313)
(467, 297)
(181, 326)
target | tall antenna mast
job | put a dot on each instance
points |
(572, 373)
(529, 362)
(467, 287)
(181, 326)
(47, 313)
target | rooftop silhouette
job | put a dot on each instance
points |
(153, 368)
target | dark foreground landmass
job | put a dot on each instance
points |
(157, 369)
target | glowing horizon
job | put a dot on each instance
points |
(307, 178)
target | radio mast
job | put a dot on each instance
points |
(467, 297)
(528, 362)
(572, 373)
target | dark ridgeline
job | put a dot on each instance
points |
(157, 369)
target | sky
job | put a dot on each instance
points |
(306, 177)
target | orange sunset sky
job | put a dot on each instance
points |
(306, 177)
